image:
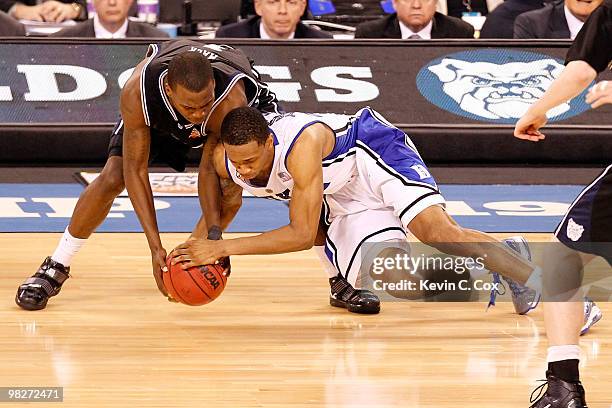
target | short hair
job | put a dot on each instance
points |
(191, 70)
(243, 125)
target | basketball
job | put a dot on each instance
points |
(195, 286)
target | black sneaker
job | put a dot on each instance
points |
(47, 282)
(559, 394)
(354, 300)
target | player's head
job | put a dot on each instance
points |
(248, 142)
(582, 9)
(190, 85)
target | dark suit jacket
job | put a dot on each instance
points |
(500, 22)
(250, 29)
(9, 26)
(86, 29)
(5, 5)
(548, 22)
(388, 27)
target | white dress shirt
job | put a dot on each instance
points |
(572, 22)
(102, 32)
(425, 33)
(263, 34)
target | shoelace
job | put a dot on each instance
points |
(342, 290)
(516, 289)
(540, 390)
(587, 309)
(495, 292)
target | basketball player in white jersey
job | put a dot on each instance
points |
(367, 175)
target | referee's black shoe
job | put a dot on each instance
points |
(559, 394)
(35, 292)
(354, 300)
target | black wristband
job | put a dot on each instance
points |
(214, 233)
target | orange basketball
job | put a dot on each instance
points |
(195, 286)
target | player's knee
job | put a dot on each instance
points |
(389, 275)
(563, 273)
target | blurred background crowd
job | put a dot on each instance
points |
(289, 19)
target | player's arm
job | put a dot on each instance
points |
(136, 145)
(574, 78)
(304, 165)
(232, 193)
(212, 202)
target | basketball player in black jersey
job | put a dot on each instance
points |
(175, 100)
(586, 230)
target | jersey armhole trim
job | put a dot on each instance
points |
(143, 98)
(229, 174)
(220, 99)
(297, 136)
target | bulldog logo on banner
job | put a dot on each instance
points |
(494, 85)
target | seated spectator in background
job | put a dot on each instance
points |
(415, 19)
(456, 8)
(111, 21)
(9, 27)
(500, 22)
(276, 19)
(54, 11)
(557, 20)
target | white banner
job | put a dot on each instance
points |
(164, 184)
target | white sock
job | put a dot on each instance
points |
(67, 248)
(327, 265)
(535, 279)
(566, 352)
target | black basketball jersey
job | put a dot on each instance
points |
(593, 44)
(229, 66)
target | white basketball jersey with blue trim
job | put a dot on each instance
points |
(338, 167)
(375, 181)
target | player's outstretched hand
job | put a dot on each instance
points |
(600, 94)
(197, 252)
(528, 127)
(158, 262)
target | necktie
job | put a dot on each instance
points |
(414, 37)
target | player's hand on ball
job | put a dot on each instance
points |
(528, 127)
(158, 262)
(600, 94)
(197, 252)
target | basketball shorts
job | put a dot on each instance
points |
(391, 186)
(587, 225)
(164, 147)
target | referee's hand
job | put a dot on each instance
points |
(600, 94)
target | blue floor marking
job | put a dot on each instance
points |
(506, 208)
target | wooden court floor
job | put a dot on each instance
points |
(272, 340)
